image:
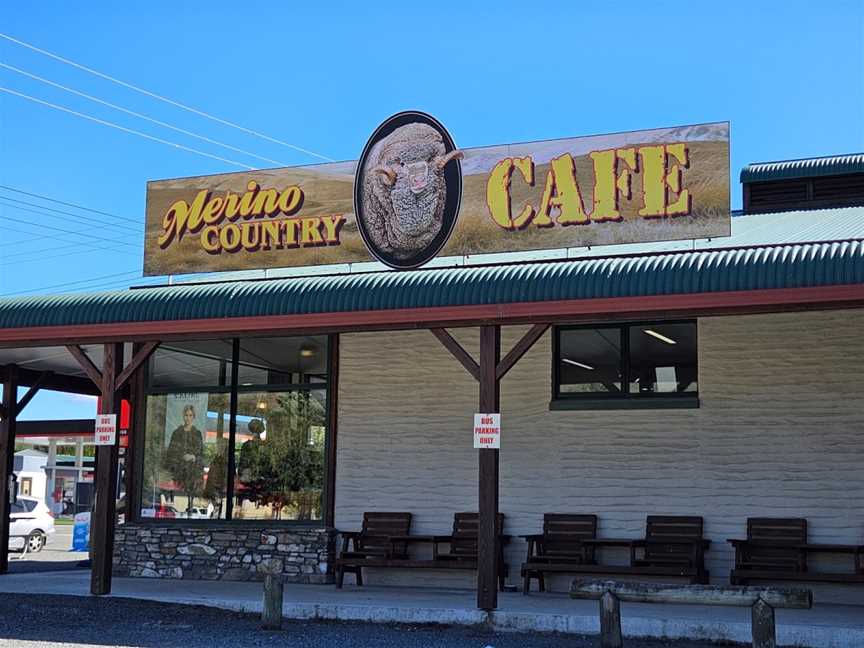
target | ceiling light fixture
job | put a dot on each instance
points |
(307, 351)
(577, 364)
(659, 336)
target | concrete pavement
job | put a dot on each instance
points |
(825, 626)
(55, 556)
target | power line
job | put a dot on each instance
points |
(140, 115)
(68, 204)
(89, 249)
(86, 233)
(42, 235)
(65, 213)
(65, 231)
(109, 285)
(165, 99)
(124, 129)
(72, 283)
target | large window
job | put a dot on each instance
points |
(631, 365)
(236, 429)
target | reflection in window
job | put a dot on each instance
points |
(590, 360)
(185, 455)
(205, 363)
(663, 358)
(280, 455)
(657, 358)
(275, 437)
(282, 361)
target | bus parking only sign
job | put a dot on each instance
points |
(106, 429)
(487, 431)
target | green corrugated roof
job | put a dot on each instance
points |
(766, 267)
(805, 168)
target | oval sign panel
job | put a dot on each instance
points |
(407, 190)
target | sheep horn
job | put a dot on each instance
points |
(388, 173)
(455, 154)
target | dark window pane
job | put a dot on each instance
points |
(663, 358)
(282, 361)
(185, 456)
(205, 363)
(590, 361)
(280, 455)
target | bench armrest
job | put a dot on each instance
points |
(535, 544)
(349, 537)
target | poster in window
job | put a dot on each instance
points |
(185, 415)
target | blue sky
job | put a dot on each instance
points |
(788, 75)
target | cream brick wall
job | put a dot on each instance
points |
(780, 431)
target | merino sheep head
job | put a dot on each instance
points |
(404, 190)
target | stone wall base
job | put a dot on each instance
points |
(234, 553)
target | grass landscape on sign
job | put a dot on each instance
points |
(707, 179)
(328, 190)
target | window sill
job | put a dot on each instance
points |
(644, 403)
(216, 525)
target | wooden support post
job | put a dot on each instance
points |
(610, 622)
(488, 540)
(271, 615)
(763, 628)
(7, 459)
(104, 514)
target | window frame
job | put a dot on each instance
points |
(234, 390)
(626, 399)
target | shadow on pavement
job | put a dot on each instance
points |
(27, 566)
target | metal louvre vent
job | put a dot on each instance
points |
(804, 193)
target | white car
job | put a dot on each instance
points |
(198, 513)
(31, 523)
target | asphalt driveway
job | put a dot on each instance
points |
(30, 621)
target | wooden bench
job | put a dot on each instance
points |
(673, 546)
(380, 548)
(372, 543)
(462, 545)
(777, 549)
(558, 547)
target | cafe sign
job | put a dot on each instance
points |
(414, 195)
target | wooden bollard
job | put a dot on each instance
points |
(763, 628)
(761, 600)
(271, 615)
(610, 622)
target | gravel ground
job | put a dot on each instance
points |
(70, 622)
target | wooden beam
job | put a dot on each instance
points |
(34, 389)
(86, 363)
(104, 509)
(726, 595)
(611, 309)
(135, 447)
(137, 360)
(520, 349)
(7, 460)
(488, 542)
(458, 352)
(332, 429)
(69, 427)
(55, 381)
